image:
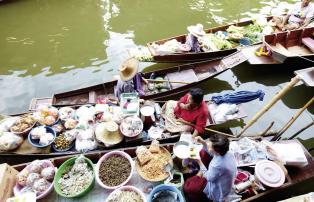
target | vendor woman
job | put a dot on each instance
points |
(130, 80)
(192, 110)
(214, 181)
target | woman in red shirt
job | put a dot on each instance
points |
(191, 109)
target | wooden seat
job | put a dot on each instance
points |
(185, 76)
(309, 42)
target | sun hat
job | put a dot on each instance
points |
(196, 30)
(128, 69)
(108, 133)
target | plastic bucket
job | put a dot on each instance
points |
(164, 187)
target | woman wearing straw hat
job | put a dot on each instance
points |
(195, 32)
(130, 80)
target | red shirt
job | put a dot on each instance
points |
(197, 116)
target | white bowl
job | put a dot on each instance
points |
(128, 188)
(106, 156)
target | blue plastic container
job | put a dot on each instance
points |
(164, 187)
(35, 143)
(245, 41)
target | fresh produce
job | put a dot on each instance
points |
(76, 178)
(36, 177)
(114, 170)
(61, 143)
(46, 115)
(23, 124)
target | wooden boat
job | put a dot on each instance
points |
(190, 56)
(294, 178)
(16, 156)
(186, 76)
(296, 45)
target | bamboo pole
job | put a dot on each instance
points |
(277, 97)
(300, 131)
(182, 82)
(292, 120)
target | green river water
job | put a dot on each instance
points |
(53, 46)
(49, 46)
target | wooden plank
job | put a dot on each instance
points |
(306, 75)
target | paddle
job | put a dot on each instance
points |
(182, 82)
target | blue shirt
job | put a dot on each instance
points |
(220, 176)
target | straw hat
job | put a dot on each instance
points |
(196, 30)
(108, 133)
(128, 69)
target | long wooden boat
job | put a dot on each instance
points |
(190, 56)
(189, 75)
(16, 157)
(296, 45)
(295, 177)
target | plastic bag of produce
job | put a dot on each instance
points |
(9, 141)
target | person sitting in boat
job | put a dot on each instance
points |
(213, 182)
(130, 79)
(192, 38)
(299, 16)
(191, 109)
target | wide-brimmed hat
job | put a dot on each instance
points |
(196, 30)
(108, 133)
(128, 69)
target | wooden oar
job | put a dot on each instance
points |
(207, 129)
(182, 82)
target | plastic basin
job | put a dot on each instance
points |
(127, 188)
(164, 187)
(62, 169)
(106, 156)
(17, 188)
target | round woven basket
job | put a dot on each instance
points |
(141, 172)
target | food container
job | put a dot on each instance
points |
(127, 188)
(17, 188)
(177, 180)
(147, 116)
(66, 113)
(70, 162)
(25, 132)
(129, 103)
(269, 173)
(164, 187)
(62, 150)
(129, 123)
(35, 142)
(106, 156)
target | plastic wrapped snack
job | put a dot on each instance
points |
(38, 132)
(36, 166)
(143, 155)
(154, 147)
(9, 141)
(48, 173)
(32, 177)
(22, 177)
(70, 135)
(70, 123)
(85, 145)
(41, 185)
(46, 139)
